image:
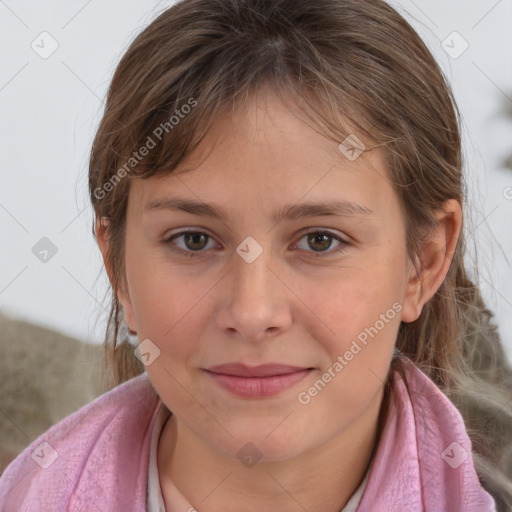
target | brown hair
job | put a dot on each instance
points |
(333, 59)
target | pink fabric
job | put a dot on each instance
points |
(423, 462)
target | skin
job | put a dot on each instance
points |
(298, 303)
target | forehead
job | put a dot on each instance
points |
(267, 154)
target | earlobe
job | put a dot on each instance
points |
(434, 260)
(412, 304)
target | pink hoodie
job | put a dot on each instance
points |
(97, 458)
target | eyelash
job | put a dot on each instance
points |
(169, 241)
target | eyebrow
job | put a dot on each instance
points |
(288, 212)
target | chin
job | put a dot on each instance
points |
(266, 441)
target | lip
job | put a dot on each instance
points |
(264, 370)
(256, 381)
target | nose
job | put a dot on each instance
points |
(255, 302)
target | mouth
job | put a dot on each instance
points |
(258, 381)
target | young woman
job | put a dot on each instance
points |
(278, 198)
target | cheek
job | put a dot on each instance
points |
(169, 312)
(353, 301)
(362, 315)
(164, 297)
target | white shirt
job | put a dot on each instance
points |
(155, 500)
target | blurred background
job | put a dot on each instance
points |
(57, 58)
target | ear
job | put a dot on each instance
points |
(434, 260)
(101, 229)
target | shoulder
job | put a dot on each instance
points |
(98, 451)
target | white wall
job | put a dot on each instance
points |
(50, 108)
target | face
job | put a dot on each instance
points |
(318, 290)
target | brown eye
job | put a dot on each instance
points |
(320, 241)
(192, 241)
(195, 241)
